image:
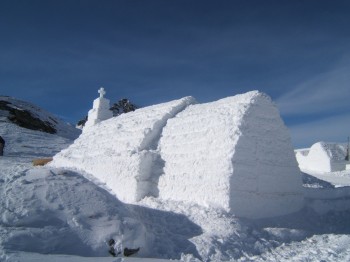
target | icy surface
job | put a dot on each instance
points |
(234, 153)
(322, 157)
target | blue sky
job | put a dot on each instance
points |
(57, 53)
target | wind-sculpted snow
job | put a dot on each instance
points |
(234, 153)
(121, 151)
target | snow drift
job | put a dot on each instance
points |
(234, 154)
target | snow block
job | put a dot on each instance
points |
(323, 157)
(121, 151)
(99, 112)
(234, 154)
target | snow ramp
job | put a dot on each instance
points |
(234, 154)
(121, 151)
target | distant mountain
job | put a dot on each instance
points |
(27, 115)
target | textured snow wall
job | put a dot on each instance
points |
(121, 151)
(323, 157)
(235, 154)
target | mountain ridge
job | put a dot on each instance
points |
(30, 116)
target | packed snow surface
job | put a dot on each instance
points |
(58, 214)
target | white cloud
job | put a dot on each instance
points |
(325, 92)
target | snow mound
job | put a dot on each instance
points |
(121, 151)
(322, 157)
(53, 211)
(234, 153)
(29, 116)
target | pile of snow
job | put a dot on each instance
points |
(322, 157)
(234, 154)
(49, 211)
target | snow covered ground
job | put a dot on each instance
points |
(50, 214)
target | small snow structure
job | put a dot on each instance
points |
(323, 157)
(234, 154)
(100, 110)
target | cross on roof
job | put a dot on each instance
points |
(102, 92)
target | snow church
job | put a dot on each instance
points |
(234, 154)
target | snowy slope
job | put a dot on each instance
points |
(38, 119)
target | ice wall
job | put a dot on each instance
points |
(266, 180)
(235, 154)
(121, 151)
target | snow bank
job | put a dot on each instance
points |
(121, 151)
(323, 157)
(50, 211)
(235, 154)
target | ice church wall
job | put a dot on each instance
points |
(233, 154)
